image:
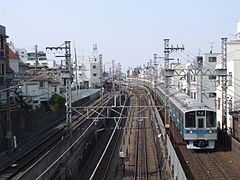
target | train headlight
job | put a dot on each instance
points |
(190, 132)
(210, 131)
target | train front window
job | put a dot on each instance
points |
(200, 123)
(210, 119)
(190, 121)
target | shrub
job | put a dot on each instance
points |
(56, 101)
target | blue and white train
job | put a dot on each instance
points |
(195, 121)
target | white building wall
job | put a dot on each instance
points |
(22, 53)
(209, 81)
(39, 91)
(48, 63)
(14, 65)
(88, 70)
(175, 80)
(192, 84)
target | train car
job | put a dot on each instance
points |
(195, 121)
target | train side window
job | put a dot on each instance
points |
(177, 114)
(211, 119)
(181, 118)
(190, 120)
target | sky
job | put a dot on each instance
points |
(127, 31)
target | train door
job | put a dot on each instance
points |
(200, 122)
(201, 119)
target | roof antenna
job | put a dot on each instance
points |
(211, 47)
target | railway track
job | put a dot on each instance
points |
(104, 164)
(141, 157)
(29, 157)
(211, 167)
(141, 162)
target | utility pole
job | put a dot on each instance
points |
(9, 133)
(76, 69)
(167, 51)
(113, 73)
(151, 70)
(201, 87)
(155, 75)
(113, 84)
(224, 84)
(67, 76)
(101, 76)
(36, 57)
(200, 66)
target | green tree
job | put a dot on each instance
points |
(56, 101)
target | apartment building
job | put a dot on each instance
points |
(202, 86)
(88, 71)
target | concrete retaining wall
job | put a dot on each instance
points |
(236, 148)
(28, 124)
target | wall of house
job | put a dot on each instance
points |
(39, 91)
(88, 70)
(14, 65)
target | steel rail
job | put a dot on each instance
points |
(106, 148)
(211, 168)
(8, 172)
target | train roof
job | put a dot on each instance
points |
(183, 101)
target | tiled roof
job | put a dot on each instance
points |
(11, 54)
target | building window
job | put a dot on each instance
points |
(212, 59)
(41, 84)
(212, 76)
(218, 103)
(230, 78)
(194, 95)
(193, 78)
(230, 105)
(1, 43)
(94, 74)
(2, 69)
(212, 95)
(55, 88)
(94, 67)
(200, 61)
